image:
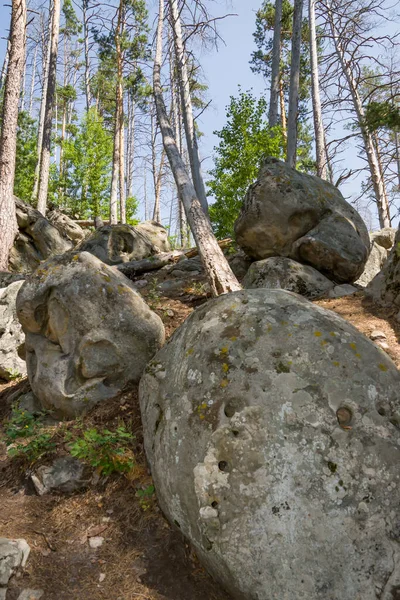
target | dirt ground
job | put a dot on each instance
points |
(141, 556)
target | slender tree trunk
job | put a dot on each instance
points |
(397, 144)
(157, 213)
(273, 117)
(8, 138)
(320, 148)
(33, 78)
(5, 62)
(42, 112)
(283, 111)
(122, 197)
(114, 178)
(294, 84)
(376, 176)
(217, 270)
(116, 170)
(187, 109)
(154, 170)
(88, 95)
(50, 97)
(130, 145)
(22, 97)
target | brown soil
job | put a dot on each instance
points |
(141, 557)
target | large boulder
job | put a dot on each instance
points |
(116, 244)
(384, 237)
(385, 286)
(272, 430)
(287, 213)
(66, 226)
(88, 332)
(37, 239)
(286, 274)
(11, 334)
(374, 264)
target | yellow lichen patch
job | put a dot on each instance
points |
(382, 367)
(358, 355)
(336, 363)
(333, 334)
(324, 343)
(122, 289)
(268, 328)
(189, 352)
(353, 346)
(224, 383)
(284, 323)
(225, 367)
(106, 277)
(233, 339)
(317, 333)
(76, 257)
(224, 350)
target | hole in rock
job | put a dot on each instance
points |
(223, 465)
(214, 504)
(344, 416)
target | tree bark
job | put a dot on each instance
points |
(33, 77)
(217, 270)
(376, 175)
(8, 138)
(294, 84)
(187, 109)
(48, 118)
(273, 116)
(319, 131)
(116, 168)
(5, 62)
(88, 94)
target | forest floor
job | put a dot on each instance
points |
(141, 557)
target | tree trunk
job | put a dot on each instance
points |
(376, 176)
(88, 95)
(48, 118)
(33, 77)
(273, 116)
(217, 270)
(130, 145)
(283, 111)
(116, 168)
(320, 148)
(122, 196)
(5, 62)
(294, 84)
(8, 138)
(187, 109)
(46, 62)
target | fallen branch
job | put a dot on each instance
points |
(157, 261)
(194, 251)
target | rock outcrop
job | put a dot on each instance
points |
(66, 226)
(385, 287)
(298, 216)
(374, 264)
(88, 332)
(286, 274)
(384, 237)
(37, 240)
(272, 430)
(11, 334)
(116, 244)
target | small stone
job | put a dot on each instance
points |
(29, 594)
(102, 577)
(13, 554)
(142, 283)
(96, 542)
(170, 313)
(378, 335)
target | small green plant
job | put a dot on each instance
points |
(39, 445)
(107, 451)
(21, 424)
(146, 497)
(153, 293)
(13, 375)
(25, 425)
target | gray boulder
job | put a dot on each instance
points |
(384, 237)
(66, 226)
(37, 239)
(66, 474)
(6, 278)
(286, 274)
(374, 264)
(116, 244)
(385, 286)
(13, 555)
(272, 430)
(11, 334)
(340, 291)
(287, 213)
(88, 332)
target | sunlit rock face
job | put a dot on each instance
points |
(272, 430)
(88, 332)
(385, 287)
(291, 214)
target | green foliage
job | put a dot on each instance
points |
(20, 425)
(132, 205)
(26, 157)
(383, 114)
(86, 179)
(244, 141)
(107, 451)
(146, 497)
(24, 425)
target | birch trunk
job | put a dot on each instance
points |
(48, 118)
(8, 138)
(46, 62)
(87, 59)
(320, 148)
(130, 146)
(122, 196)
(217, 270)
(187, 109)
(373, 163)
(273, 116)
(5, 63)
(33, 77)
(294, 84)
(116, 168)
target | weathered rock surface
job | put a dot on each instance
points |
(66, 474)
(374, 264)
(384, 237)
(339, 291)
(13, 555)
(287, 213)
(37, 239)
(272, 431)
(11, 334)
(283, 273)
(66, 226)
(88, 332)
(6, 278)
(116, 244)
(385, 287)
